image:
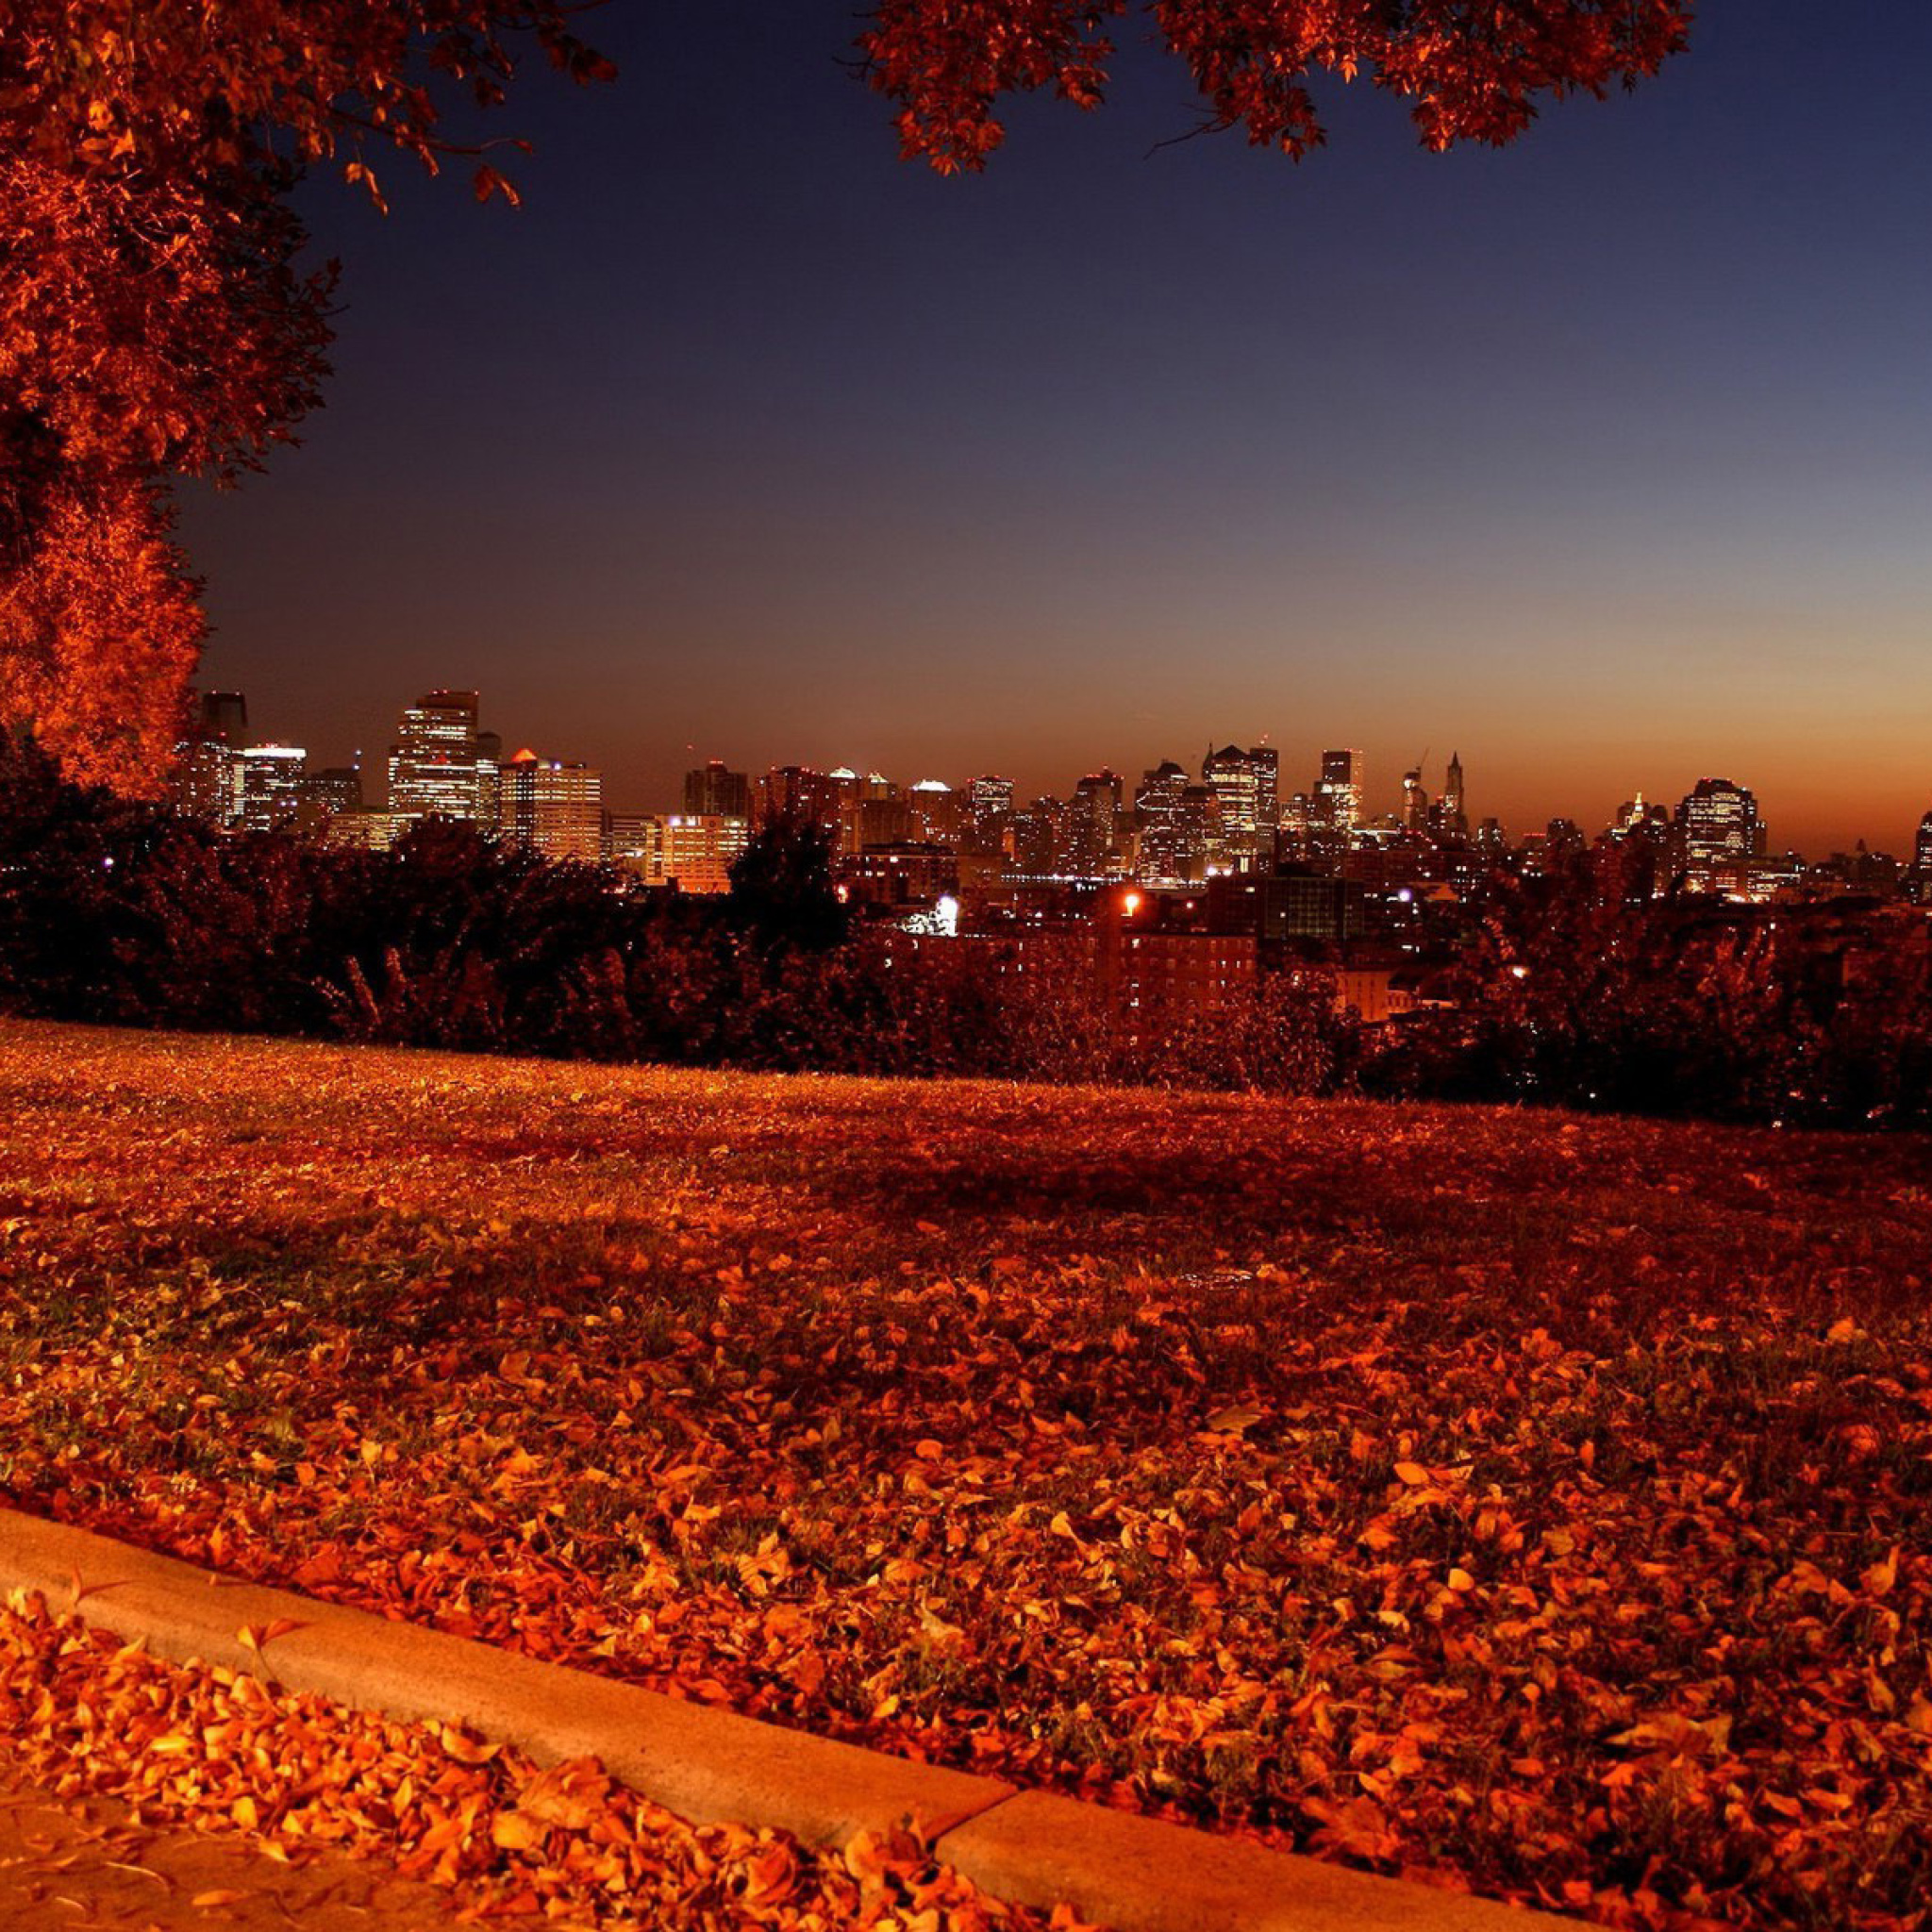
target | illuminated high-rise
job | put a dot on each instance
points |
(1179, 826)
(1720, 834)
(989, 806)
(936, 811)
(488, 778)
(1094, 822)
(433, 769)
(1246, 785)
(1454, 806)
(208, 769)
(800, 793)
(1415, 802)
(1338, 801)
(271, 787)
(1919, 883)
(696, 851)
(553, 809)
(715, 791)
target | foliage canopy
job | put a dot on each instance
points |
(155, 319)
(1471, 73)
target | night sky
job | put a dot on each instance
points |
(1605, 460)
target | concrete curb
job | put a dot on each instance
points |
(713, 1766)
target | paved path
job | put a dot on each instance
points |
(80, 1864)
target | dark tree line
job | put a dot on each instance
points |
(120, 912)
(1579, 991)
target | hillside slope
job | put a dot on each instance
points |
(1540, 1499)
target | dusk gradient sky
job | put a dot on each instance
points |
(1605, 460)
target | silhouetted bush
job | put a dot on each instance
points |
(1582, 991)
(1580, 995)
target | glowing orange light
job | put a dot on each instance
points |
(1131, 904)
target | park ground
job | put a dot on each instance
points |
(1529, 1502)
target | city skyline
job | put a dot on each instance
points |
(1607, 452)
(1379, 798)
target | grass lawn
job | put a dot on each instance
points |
(1537, 1500)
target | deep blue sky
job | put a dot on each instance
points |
(1606, 460)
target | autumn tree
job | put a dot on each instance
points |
(157, 321)
(1471, 73)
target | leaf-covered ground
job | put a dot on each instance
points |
(1538, 1503)
(300, 1779)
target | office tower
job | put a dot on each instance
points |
(326, 795)
(1563, 842)
(988, 806)
(1636, 814)
(1337, 801)
(699, 850)
(796, 792)
(1454, 807)
(937, 813)
(1719, 834)
(1179, 825)
(630, 837)
(690, 851)
(1038, 839)
(1158, 817)
(488, 778)
(1265, 763)
(1918, 883)
(208, 773)
(433, 767)
(1093, 822)
(1415, 802)
(553, 809)
(846, 792)
(271, 786)
(1246, 785)
(884, 821)
(714, 790)
(368, 828)
(224, 715)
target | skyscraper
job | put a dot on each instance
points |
(1720, 834)
(433, 764)
(1096, 809)
(698, 850)
(208, 774)
(1918, 883)
(1415, 802)
(1454, 807)
(936, 811)
(488, 778)
(1338, 790)
(988, 806)
(326, 795)
(271, 787)
(1179, 825)
(799, 793)
(553, 809)
(1247, 785)
(714, 790)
